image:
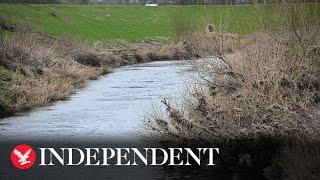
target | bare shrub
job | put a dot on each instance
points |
(264, 85)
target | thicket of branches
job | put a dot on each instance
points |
(259, 86)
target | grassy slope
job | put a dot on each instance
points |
(109, 22)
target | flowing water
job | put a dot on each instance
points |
(112, 107)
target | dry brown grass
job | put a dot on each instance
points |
(269, 89)
(172, 51)
(262, 86)
(39, 74)
(105, 69)
(44, 70)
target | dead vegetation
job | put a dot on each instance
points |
(258, 93)
(36, 74)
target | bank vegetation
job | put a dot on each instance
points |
(258, 97)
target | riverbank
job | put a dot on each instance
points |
(37, 70)
(260, 103)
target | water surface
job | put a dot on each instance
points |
(111, 108)
(114, 106)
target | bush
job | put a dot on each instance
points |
(266, 86)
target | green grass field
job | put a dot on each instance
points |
(111, 22)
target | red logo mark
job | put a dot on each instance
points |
(23, 156)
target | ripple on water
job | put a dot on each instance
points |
(112, 106)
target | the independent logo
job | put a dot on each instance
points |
(23, 156)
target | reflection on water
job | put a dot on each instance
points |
(111, 107)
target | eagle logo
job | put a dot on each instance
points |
(23, 156)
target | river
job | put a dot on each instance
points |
(112, 107)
